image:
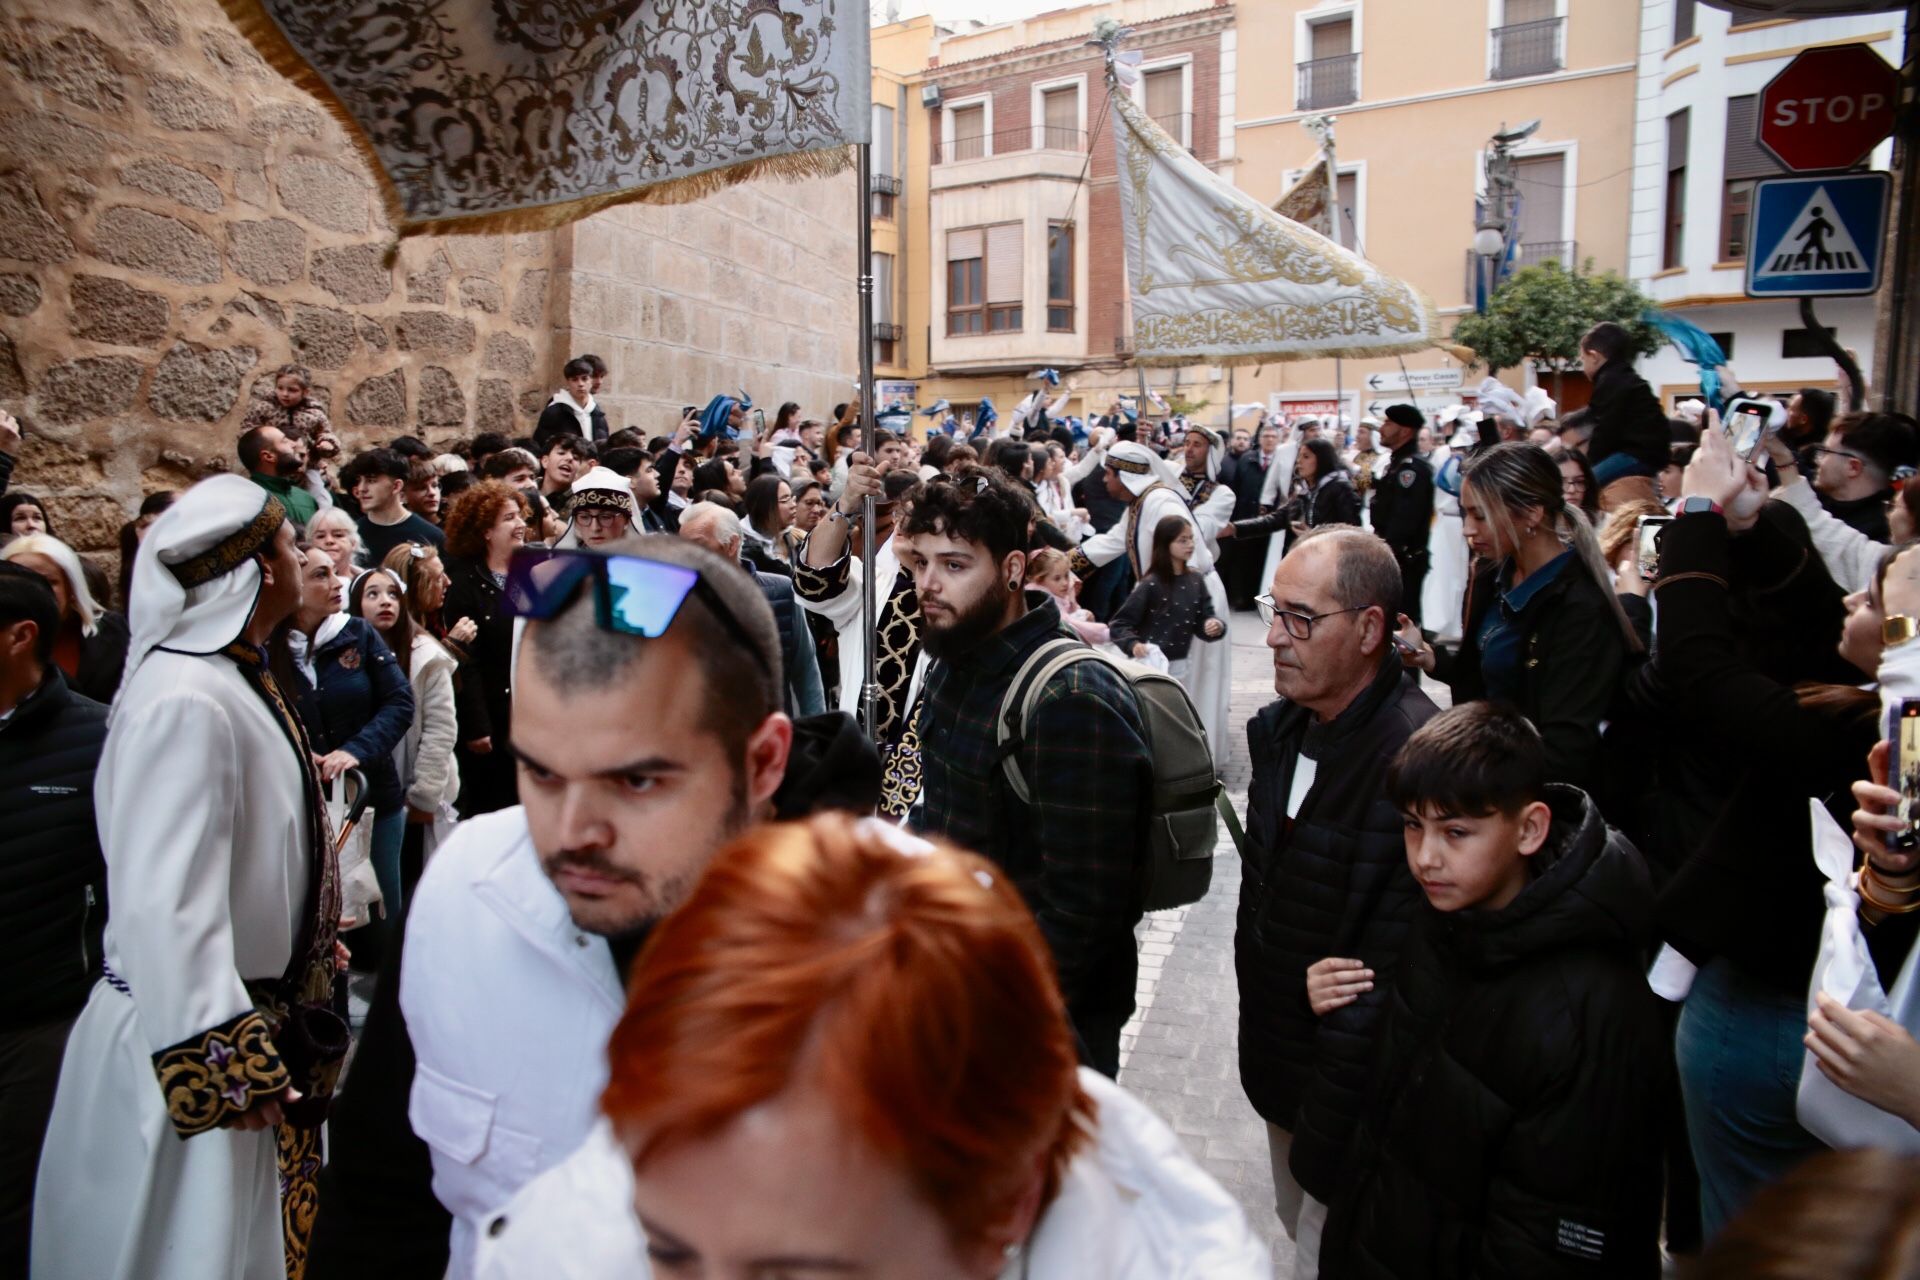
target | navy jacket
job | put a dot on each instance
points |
(363, 705)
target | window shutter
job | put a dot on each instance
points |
(1519, 11)
(1745, 157)
(963, 244)
(1332, 39)
(1062, 111)
(882, 139)
(883, 288)
(1542, 181)
(1677, 140)
(1163, 92)
(1005, 269)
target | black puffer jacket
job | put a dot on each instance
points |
(1511, 1128)
(1334, 882)
(1627, 418)
(53, 881)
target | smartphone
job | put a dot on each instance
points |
(1746, 429)
(1903, 771)
(1647, 535)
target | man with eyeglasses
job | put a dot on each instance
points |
(1854, 469)
(1325, 894)
(648, 726)
(601, 510)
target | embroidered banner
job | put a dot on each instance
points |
(1219, 278)
(500, 115)
(1309, 201)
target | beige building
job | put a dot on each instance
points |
(1418, 88)
(177, 220)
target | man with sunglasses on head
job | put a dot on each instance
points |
(1325, 894)
(648, 726)
(1854, 468)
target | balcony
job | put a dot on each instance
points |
(1527, 48)
(886, 184)
(979, 146)
(1528, 254)
(1328, 82)
(884, 332)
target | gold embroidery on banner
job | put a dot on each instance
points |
(215, 1077)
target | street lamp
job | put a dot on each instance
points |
(1489, 239)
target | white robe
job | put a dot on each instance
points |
(1443, 595)
(1209, 678)
(1274, 491)
(200, 803)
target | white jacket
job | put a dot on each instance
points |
(1133, 1206)
(425, 756)
(509, 1007)
(1850, 555)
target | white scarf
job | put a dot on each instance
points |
(582, 412)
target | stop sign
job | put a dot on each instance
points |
(1828, 107)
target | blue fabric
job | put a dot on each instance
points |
(1501, 629)
(987, 415)
(713, 418)
(1696, 346)
(1618, 466)
(1739, 1050)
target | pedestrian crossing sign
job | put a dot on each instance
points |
(1817, 237)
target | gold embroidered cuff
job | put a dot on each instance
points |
(1079, 564)
(820, 585)
(213, 1078)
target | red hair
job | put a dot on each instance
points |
(915, 991)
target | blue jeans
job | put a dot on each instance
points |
(1618, 466)
(1739, 1051)
(389, 833)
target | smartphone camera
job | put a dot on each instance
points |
(1647, 535)
(1903, 768)
(1746, 429)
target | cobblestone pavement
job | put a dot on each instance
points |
(1179, 1052)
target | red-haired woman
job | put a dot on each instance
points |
(846, 1054)
(483, 527)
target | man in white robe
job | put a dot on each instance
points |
(1138, 476)
(160, 1159)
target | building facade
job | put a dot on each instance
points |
(1696, 160)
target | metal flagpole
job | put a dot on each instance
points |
(869, 693)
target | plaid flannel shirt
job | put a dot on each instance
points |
(1076, 852)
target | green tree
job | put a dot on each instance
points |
(1540, 312)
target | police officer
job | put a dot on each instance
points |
(1403, 502)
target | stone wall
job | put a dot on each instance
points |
(177, 220)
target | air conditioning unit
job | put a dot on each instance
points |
(929, 95)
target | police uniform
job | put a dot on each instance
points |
(1403, 517)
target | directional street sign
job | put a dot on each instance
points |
(1428, 403)
(1817, 237)
(1415, 380)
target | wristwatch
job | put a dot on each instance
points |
(1696, 505)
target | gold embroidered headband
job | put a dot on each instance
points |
(233, 550)
(1131, 466)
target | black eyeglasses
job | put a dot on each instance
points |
(1298, 625)
(632, 595)
(1817, 449)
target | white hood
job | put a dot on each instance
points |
(1133, 1206)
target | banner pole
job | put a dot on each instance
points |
(863, 168)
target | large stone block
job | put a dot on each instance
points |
(230, 52)
(90, 387)
(259, 306)
(158, 21)
(113, 311)
(179, 102)
(355, 273)
(429, 283)
(54, 140)
(494, 411)
(322, 192)
(322, 337)
(508, 354)
(13, 382)
(77, 65)
(55, 464)
(174, 182)
(480, 293)
(198, 384)
(87, 521)
(27, 231)
(19, 294)
(487, 254)
(435, 333)
(155, 244)
(441, 402)
(379, 402)
(271, 251)
(272, 120)
(373, 333)
(530, 299)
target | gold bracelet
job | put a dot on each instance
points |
(1869, 876)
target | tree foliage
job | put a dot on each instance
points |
(1540, 312)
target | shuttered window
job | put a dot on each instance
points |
(1060, 277)
(1746, 161)
(1060, 112)
(985, 274)
(1519, 11)
(1332, 38)
(969, 132)
(966, 291)
(1164, 95)
(1006, 272)
(1674, 233)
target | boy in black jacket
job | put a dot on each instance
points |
(1510, 1128)
(1631, 436)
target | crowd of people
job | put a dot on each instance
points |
(673, 947)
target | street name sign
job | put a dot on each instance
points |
(1415, 380)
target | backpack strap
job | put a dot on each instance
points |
(1224, 804)
(1040, 666)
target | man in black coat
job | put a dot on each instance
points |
(1403, 503)
(1325, 873)
(1242, 560)
(53, 884)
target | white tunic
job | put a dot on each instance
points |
(843, 611)
(1209, 675)
(201, 805)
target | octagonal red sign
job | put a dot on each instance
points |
(1828, 108)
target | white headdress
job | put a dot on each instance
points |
(1140, 468)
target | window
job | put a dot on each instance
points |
(1060, 118)
(1671, 246)
(883, 168)
(1527, 43)
(884, 343)
(970, 132)
(984, 273)
(1745, 162)
(1542, 184)
(1346, 210)
(1164, 95)
(1740, 15)
(1330, 75)
(1802, 344)
(1683, 20)
(1726, 343)
(1060, 277)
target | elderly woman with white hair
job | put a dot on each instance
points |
(333, 531)
(91, 649)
